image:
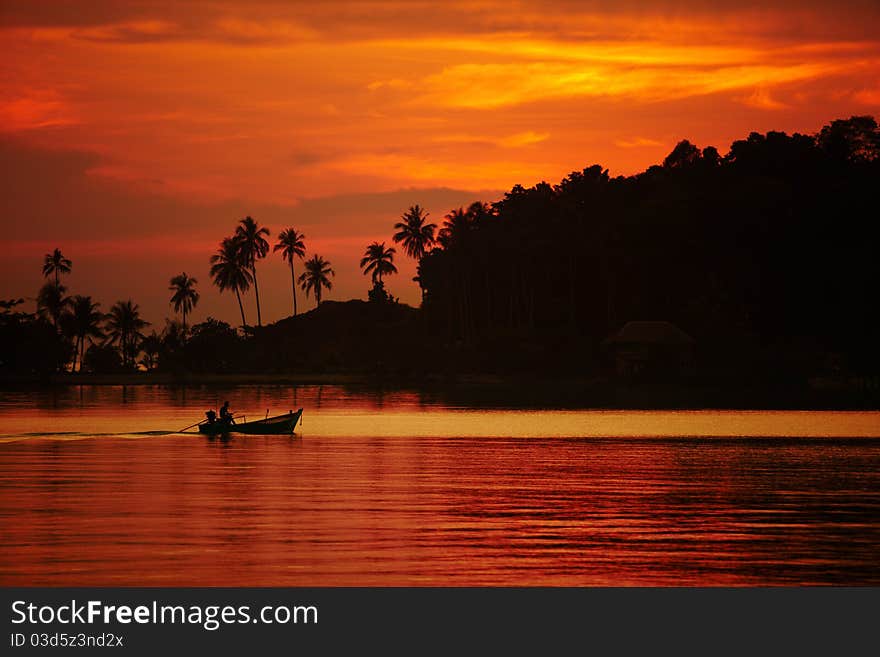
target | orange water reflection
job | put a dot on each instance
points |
(444, 496)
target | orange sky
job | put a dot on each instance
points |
(135, 134)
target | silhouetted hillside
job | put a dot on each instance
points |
(342, 336)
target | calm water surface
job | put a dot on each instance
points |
(430, 488)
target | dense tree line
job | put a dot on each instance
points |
(71, 334)
(767, 255)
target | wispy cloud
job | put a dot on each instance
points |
(515, 140)
(762, 99)
(637, 142)
(483, 174)
(35, 110)
(503, 72)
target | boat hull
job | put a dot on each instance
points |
(277, 425)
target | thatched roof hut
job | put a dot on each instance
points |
(650, 350)
(654, 332)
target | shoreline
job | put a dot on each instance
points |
(168, 378)
(566, 392)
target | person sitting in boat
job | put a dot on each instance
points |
(211, 415)
(225, 415)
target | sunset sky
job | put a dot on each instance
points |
(136, 134)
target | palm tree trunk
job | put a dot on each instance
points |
(610, 319)
(240, 307)
(82, 353)
(512, 306)
(464, 302)
(293, 285)
(572, 312)
(488, 300)
(257, 293)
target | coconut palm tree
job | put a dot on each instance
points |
(378, 261)
(85, 321)
(51, 302)
(56, 263)
(291, 244)
(316, 276)
(455, 226)
(252, 246)
(124, 326)
(415, 235)
(229, 273)
(185, 296)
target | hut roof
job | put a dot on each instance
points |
(650, 332)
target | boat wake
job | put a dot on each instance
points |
(72, 435)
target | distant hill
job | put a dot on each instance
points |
(341, 336)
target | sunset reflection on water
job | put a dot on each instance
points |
(403, 490)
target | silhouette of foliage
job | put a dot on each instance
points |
(416, 236)
(377, 293)
(854, 140)
(51, 302)
(684, 154)
(103, 359)
(378, 261)
(124, 328)
(764, 255)
(30, 344)
(316, 277)
(252, 246)
(291, 245)
(55, 263)
(229, 272)
(185, 296)
(151, 346)
(85, 319)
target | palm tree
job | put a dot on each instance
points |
(51, 302)
(229, 273)
(56, 263)
(379, 261)
(291, 244)
(124, 326)
(316, 276)
(185, 296)
(456, 225)
(456, 238)
(85, 323)
(252, 246)
(415, 235)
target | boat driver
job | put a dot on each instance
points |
(225, 415)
